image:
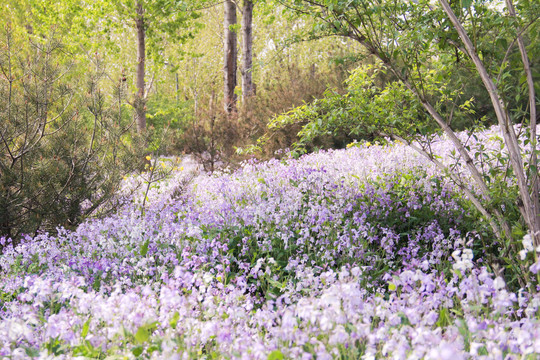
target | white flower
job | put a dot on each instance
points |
(463, 260)
(459, 242)
(527, 246)
(527, 243)
(498, 283)
(207, 277)
(467, 255)
(355, 271)
(330, 300)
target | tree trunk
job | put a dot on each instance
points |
(177, 88)
(529, 211)
(229, 67)
(533, 180)
(248, 88)
(140, 98)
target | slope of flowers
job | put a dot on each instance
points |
(358, 253)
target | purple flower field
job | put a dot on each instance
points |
(364, 253)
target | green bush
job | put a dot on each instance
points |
(63, 149)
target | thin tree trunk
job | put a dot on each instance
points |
(140, 100)
(469, 163)
(177, 89)
(534, 184)
(248, 88)
(230, 50)
(529, 212)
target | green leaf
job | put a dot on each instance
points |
(174, 321)
(392, 287)
(404, 319)
(96, 285)
(482, 351)
(444, 318)
(143, 333)
(31, 352)
(276, 284)
(137, 350)
(144, 248)
(85, 329)
(275, 355)
(465, 333)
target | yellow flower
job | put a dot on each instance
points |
(148, 157)
(368, 144)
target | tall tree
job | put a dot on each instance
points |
(230, 55)
(140, 97)
(155, 22)
(248, 87)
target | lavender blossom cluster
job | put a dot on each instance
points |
(364, 253)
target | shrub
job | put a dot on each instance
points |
(63, 152)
